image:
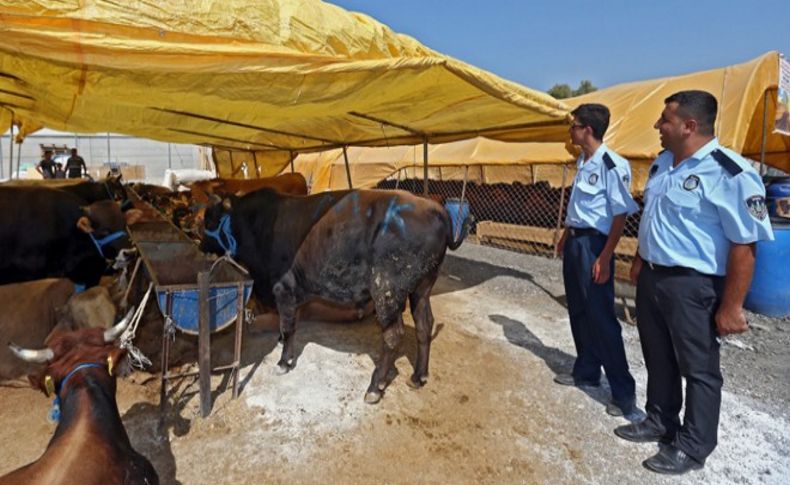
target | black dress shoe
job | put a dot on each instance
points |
(671, 461)
(569, 380)
(641, 432)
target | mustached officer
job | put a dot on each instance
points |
(704, 210)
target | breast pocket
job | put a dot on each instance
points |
(683, 199)
(593, 197)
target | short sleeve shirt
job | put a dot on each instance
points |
(601, 191)
(694, 211)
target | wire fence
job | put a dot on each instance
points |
(525, 215)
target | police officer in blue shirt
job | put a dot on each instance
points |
(704, 210)
(599, 203)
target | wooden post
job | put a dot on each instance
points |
(765, 133)
(559, 212)
(237, 346)
(348, 169)
(204, 344)
(425, 167)
(292, 157)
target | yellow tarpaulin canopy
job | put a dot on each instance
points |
(252, 75)
(740, 89)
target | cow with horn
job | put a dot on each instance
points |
(90, 444)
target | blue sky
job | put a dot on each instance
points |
(540, 43)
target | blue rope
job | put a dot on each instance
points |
(54, 411)
(100, 243)
(223, 233)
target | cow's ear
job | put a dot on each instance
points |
(226, 203)
(84, 225)
(132, 216)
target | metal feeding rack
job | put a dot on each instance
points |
(196, 294)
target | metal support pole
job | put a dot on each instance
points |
(397, 180)
(11, 148)
(559, 211)
(237, 346)
(232, 167)
(1, 157)
(109, 157)
(348, 169)
(461, 205)
(765, 134)
(255, 161)
(291, 160)
(18, 158)
(169, 157)
(425, 167)
(165, 359)
(204, 344)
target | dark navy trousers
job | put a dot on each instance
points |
(675, 317)
(596, 331)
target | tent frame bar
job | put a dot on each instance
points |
(348, 169)
(762, 142)
(241, 125)
(388, 123)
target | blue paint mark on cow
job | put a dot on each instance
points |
(320, 209)
(393, 215)
(354, 198)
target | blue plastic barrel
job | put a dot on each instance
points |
(778, 188)
(457, 216)
(770, 291)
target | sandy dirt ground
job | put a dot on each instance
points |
(489, 414)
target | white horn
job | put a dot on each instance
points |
(113, 333)
(35, 356)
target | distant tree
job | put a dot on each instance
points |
(560, 91)
(585, 87)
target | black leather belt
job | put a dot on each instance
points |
(584, 231)
(674, 270)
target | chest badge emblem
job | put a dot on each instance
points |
(592, 179)
(691, 182)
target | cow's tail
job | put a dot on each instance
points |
(452, 242)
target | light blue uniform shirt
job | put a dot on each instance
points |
(693, 211)
(601, 190)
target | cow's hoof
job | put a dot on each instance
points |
(283, 368)
(417, 382)
(372, 397)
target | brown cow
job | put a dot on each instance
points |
(289, 183)
(90, 445)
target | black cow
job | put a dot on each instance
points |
(49, 232)
(348, 247)
(111, 188)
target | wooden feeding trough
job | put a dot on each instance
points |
(197, 294)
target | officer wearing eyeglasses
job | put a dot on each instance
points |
(704, 210)
(599, 203)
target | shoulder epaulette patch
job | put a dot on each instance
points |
(608, 161)
(726, 162)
